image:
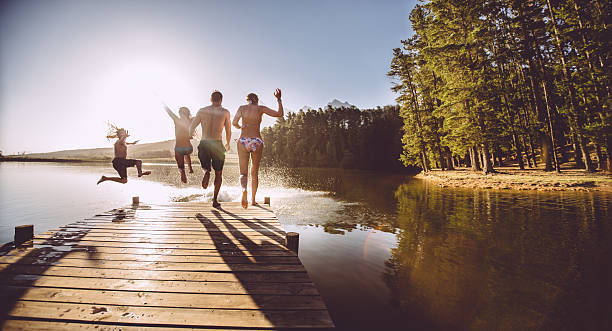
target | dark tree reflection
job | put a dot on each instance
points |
(501, 260)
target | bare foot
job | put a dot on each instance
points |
(144, 173)
(183, 177)
(254, 203)
(205, 179)
(103, 178)
(245, 202)
(216, 204)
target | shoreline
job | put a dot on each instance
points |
(230, 158)
(506, 178)
(510, 178)
(41, 159)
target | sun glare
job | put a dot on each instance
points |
(132, 92)
(140, 82)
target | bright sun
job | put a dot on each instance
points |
(132, 92)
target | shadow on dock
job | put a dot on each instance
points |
(224, 242)
(31, 261)
(237, 274)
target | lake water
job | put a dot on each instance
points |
(387, 252)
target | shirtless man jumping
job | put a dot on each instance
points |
(213, 119)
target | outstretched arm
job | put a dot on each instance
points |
(228, 131)
(237, 118)
(194, 124)
(273, 113)
(170, 113)
(133, 143)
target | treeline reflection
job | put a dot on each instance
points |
(502, 260)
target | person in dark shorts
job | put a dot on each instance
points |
(182, 147)
(211, 150)
(121, 162)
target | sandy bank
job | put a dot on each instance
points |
(513, 178)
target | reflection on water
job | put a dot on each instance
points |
(387, 252)
(457, 258)
(498, 260)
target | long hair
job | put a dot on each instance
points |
(113, 131)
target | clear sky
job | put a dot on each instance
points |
(67, 67)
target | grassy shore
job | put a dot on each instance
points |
(513, 178)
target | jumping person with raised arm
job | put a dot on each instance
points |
(213, 119)
(121, 162)
(182, 146)
(250, 145)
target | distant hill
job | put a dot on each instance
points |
(161, 149)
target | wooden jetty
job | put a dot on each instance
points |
(170, 266)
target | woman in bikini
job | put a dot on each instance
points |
(182, 147)
(250, 144)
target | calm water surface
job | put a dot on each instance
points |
(387, 252)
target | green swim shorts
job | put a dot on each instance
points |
(211, 150)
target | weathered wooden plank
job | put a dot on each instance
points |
(220, 228)
(165, 222)
(271, 225)
(201, 206)
(164, 233)
(83, 228)
(151, 234)
(46, 254)
(166, 239)
(149, 230)
(189, 212)
(304, 288)
(171, 219)
(154, 251)
(262, 245)
(161, 231)
(204, 243)
(33, 325)
(172, 316)
(232, 207)
(127, 226)
(200, 276)
(186, 216)
(158, 265)
(162, 225)
(162, 299)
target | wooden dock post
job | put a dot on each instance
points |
(135, 201)
(23, 233)
(267, 201)
(293, 241)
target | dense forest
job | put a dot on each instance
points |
(337, 137)
(481, 83)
